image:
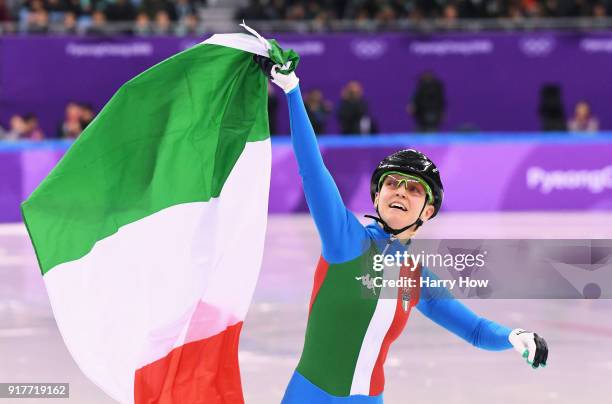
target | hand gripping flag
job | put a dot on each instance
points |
(149, 232)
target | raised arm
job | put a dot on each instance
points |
(342, 236)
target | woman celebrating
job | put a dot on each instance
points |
(349, 329)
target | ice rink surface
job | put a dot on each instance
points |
(425, 365)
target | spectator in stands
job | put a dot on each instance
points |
(428, 103)
(318, 110)
(312, 9)
(450, 13)
(363, 19)
(24, 128)
(163, 24)
(70, 23)
(551, 109)
(599, 10)
(98, 22)
(152, 8)
(84, 10)
(37, 17)
(583, 120)
(71, 127)
(56, 10)
(296, 12)
(550, 8)
(532, 9)
(38, 22)
(186, 15)
(16, 128)
(515, 13)
(184, 9)
(87, 115)
(32, 130)
(385, 17)
(416, 15)
(4, 12)
(321, 22)
(188, 26)
(353, 112)
(143, 24)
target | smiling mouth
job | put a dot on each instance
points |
(396, 205)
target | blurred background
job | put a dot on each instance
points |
(510, 98)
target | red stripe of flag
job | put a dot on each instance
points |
(200, 372)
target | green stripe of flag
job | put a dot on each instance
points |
(171, 135)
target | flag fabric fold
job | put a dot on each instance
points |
(149, 232)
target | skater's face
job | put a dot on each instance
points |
(400, 199)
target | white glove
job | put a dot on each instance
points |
(285, 81)
(530, 345)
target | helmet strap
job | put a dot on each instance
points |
(388, 229)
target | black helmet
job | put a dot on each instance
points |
(415, 163)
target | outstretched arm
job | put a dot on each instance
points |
(440, 306)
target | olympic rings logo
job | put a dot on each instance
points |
(537, 47)
(369, 49)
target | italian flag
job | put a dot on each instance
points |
(149, 232)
